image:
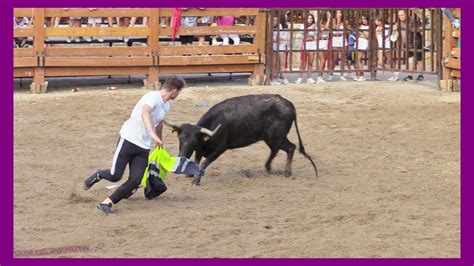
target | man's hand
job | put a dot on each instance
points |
(156, 141)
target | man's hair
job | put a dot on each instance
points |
(174, 82)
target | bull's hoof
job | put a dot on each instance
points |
(197, 183)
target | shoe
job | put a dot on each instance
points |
(77, 39)
(68, 40)
(420, 78)
(310, 81)
(88, 39)
(215, 42)
(393, 78)
(320, 80)
(343, 78)
(361, 78)
(299, 80)
(274, 82)
(100, 40)
(428, 47)
(284, 81)
(330, 78)
(91, 180)
(408, 78)
(125, 39)
(105, 208)
(354, 77)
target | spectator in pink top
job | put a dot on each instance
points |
(228, 21)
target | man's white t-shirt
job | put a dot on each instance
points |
(134, 129)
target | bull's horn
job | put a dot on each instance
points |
(208, 132)
(174, 126)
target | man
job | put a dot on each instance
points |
(411, 25)
(138, 134)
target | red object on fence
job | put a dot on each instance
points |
(175, 22)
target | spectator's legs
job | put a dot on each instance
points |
(235, 38)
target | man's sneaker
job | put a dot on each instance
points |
(320, 80)
(105, 208)
(274, 82)
(420, 78)
(343, 78)
(330, 78)
(284, 81)
(361, 78)
(91, 180)
(408, 78)
(299, 80)
(310, 81)
(68, 40)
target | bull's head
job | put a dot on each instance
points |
(191, 137)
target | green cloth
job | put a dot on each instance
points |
(161, 158)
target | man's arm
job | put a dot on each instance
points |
(146, 117)
(159, 130)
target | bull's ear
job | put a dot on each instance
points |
(176, 131)
(174, 128)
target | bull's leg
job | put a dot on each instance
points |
(274, 146)
(209, 159)
(268, 164)
(289, 148)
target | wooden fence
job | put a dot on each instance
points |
(451, 53)
(41, 61)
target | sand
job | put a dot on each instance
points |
(389, 177)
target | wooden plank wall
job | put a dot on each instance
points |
(40, 62)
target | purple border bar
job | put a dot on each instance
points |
(6, 140)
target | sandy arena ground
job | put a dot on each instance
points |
(388, 158)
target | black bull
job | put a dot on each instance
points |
(238, 122)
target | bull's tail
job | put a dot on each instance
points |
(301, 149)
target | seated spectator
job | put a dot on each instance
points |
(73, 22)
(187, 21)
(227, 21)
(20, 22)
(93, 22)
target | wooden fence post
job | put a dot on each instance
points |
(257, 77)
(153, 81)
(39, 85)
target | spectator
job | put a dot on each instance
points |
(384, 53)
(323, 42)
(20, 22)
(73, 22)
(362, 45)
(187, 21)
(350, 55)
(280, 43)
(308, 47)
(203, 21)
(228, 21)
(338, 42)
(94, 22)
(408, 28)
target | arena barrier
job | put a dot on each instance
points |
(333, 57)
(44, 59)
